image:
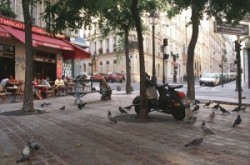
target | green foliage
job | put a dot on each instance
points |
(5, 9)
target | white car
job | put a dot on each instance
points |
(210, 79)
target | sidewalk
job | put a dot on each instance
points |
(77, 137)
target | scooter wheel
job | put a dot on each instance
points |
(136, 103)
(179, 114)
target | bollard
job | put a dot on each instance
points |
(118, 88)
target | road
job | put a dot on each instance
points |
(228, 89)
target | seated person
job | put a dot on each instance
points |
(11, 82)
(106, 90)
(37, 91)
(59, 86)
(4, 81)
(69, 83)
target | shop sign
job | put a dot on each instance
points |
(20, 25)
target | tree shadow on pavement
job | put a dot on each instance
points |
(152, 118)
(18, 113)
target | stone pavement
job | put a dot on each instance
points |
(79, 137)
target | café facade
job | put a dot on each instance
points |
(53, 56)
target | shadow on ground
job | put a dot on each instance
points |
(152, 118)
(18, 113)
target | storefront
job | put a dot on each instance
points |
(53, 56)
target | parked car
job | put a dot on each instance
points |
(112, 77)
(83, 75)
(210, 79)
(98, 76)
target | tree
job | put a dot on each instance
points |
(28, 104)
(230, 10)
(118, 14)
(5, 9)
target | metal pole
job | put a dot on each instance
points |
(222, 59)
(239, 73)
(163, 71)
(154, 79)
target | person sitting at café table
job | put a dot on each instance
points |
(59, 86)
(37, 91)
(11, 82)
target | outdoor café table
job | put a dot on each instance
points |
(13, 91)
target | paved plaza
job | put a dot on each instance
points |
(86, 137)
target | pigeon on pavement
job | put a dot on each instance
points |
(216, 106)
(25, 154)
(45, 104)
(207, 104)
(122, 110)
(196, 108)
(243, 108)
(212, 116)
(223, 110)
(206, 129)
(33, 145)
(194, 143)
(129, 107)
(111, 118)
(81, 105)
(62, 108)
(237, 121)
(236, 109)
(196, 102)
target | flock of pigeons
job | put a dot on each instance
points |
(31, 146)
(205, 128)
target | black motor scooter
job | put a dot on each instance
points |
(169, 101)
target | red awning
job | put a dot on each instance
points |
(39, 39)
(4, 33)
(79, 53)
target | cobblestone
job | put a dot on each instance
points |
(73, 136)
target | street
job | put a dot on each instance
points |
(228, 90)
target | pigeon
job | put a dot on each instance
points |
(223, 110)
(122, 110)
(216, 106)
(111, 118)
(206, 129)
(45, 104)
(129, 107)
(236, 109)
(62, 108)
(207, 104)
(25, 154)
(33, 145)
(196, 108)
(81, 105)
(196, 102)
(243, 108)
(41, 110)
(195, 142)
(237, 121)
(212, 116)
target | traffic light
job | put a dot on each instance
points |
(237, 46)
(165, 42)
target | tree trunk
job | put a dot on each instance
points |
(143, 99)
(128, 68)
(28, 104)
(190, 58)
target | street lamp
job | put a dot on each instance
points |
(153, 20)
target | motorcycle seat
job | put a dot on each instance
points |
(175, 86)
